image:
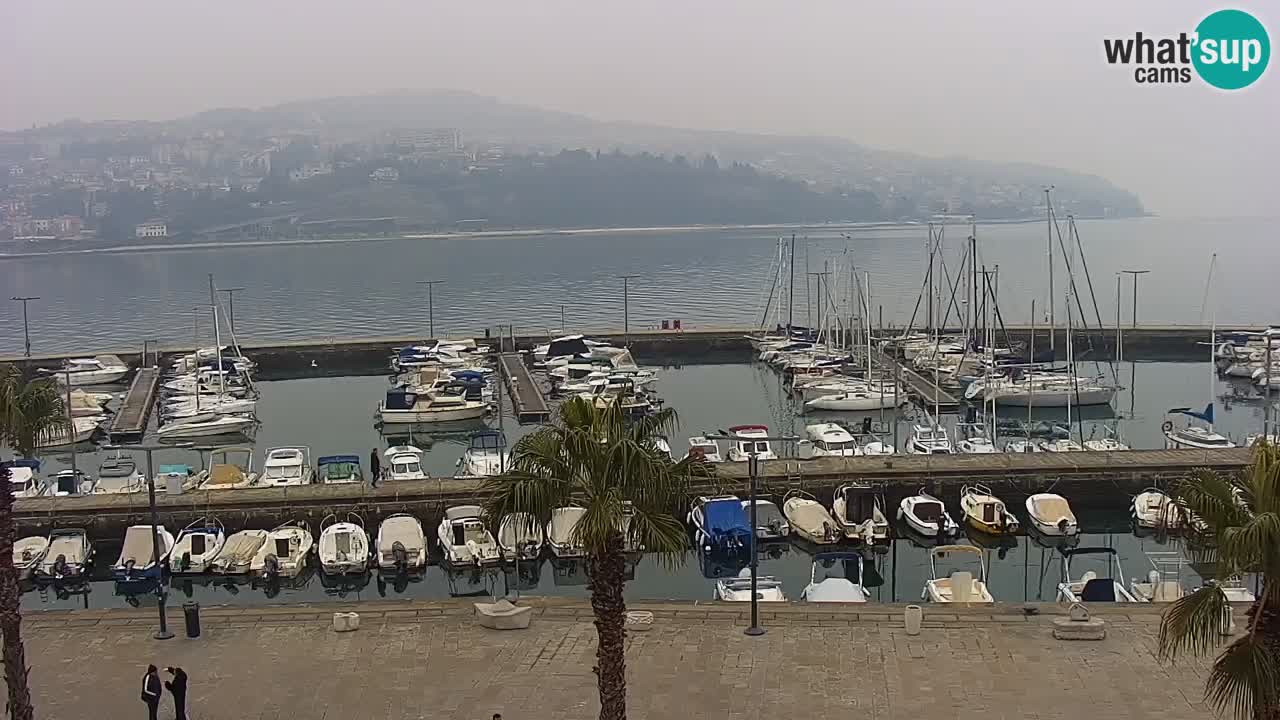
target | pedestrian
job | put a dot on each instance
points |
(151, 691)
(497, 716)
(375, 466)
(178, 688)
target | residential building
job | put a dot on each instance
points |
(385, 174)
(151, 229)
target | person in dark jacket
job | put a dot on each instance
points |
(178, 688)
(151, 691)
(375, 467)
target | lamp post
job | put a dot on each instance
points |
(161, 593)
(26, 330)
(231, 308)
(1135, 274)
(626, 309)
(431, 304)
(753, 471)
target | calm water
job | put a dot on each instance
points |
(714, 278)
(335, 415)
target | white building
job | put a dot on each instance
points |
(385, 174)
(151, 229)
(310, 170)
(430, 140)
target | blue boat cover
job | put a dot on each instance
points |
(175, 469)
(726, 518)
(32, 463)
(472, 375)
(338, 459)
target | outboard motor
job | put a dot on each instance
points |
(401, 557)
(184, 562)
(59, 566)
(271, 567)
(128, 568)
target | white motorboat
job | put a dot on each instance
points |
(1164, 580)
(206, 425)
(238, 552)
(339, 470)
(858, 508)
(986, 512)
(285, 552)
(738, 589)
(708, 448)
(841, 579)
(1090, 587)
(87, 404)
(344, 547)
(960, 586)
(771, 524)
(485, 456)
(99, 370)
(975, 440)
(720, 523)
(1153, 509)
(197, 546)
(1255, 438)
(464, 539)
(137, 553)
(927, 515)
(68, 556)
(286, 466)
(809, 519)
(859, 400)
(119, 473)
(405, 405)
(1034, 445)
(71, 483)
(224, 473)
(1062, 445)
(28, 552)
(749, 439)
(560, 531)
(878, 448)
(520, 537)
(828, 440)
(1041, 390)
(1194, 436)
(404, 462)
(189, 408)
(1106, 444)
(401, 546)
(79, 430)
(176, 477)
(929, 440)
(1051, 515)
(24, 482)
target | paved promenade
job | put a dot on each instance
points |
(428, 660)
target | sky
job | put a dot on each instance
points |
(1004, 80)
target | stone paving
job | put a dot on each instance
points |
(429, 660)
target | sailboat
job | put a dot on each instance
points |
(1201, 437)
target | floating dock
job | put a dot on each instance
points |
(131, 420)
(920, 387)
(527, 400)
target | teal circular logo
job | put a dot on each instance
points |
(1231, 49)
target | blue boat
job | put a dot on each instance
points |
(337, 469)
(721, 524)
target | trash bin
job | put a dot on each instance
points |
(191, 613)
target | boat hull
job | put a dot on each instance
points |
(1055, 398)
(431, 416)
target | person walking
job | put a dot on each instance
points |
(178, 688)
(151, 691)
(375, 466)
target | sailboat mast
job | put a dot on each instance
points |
(217, 340)
(1031, 385)
(791, 299)
(1048, 221)
(867, 322)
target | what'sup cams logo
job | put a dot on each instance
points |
(1228, 50)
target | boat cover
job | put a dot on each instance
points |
(726, 517)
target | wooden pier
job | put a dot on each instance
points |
(131, 419)
(922, 388)
(527, 399)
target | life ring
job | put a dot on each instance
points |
(1167, 426)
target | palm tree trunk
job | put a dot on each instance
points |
(608, 575)
(1264, 619)
(15, 662)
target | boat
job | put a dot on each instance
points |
(560, 532)
(344, 547)
(1062, 445)
(1090, 587)
(24, 482)
(464, 539)
(28, 552)
(1033, 445)
(828, 440)
(929, 440)
(486, 455)
(68, 483)
(838, 588)
(285, 466)
(520, 537)
(856, 400)
(205, 425)
(858, 508)
(975, 441)
(1153, 509)
(238, 552)
(1051, 515)
(405, 405)
(1107, 444)
(738, 589)
(224, 473)
(1164, 580)
(401, 545)
(1200, 437)
(86, 404)
(285, 552)
(197, 546)
(809, 520)
(720, 524)
(927, 515)
(708, 448)
(339, 470)
(878, 448)
(770, 522)
(79, 430)
(749, 439)
(960, 586)
(138, 559)
(404, 462)
(67, 557)
(119, 473)
(986, 512)
(99, 370)
(178, 477)
(191, 406)
(1041, 390)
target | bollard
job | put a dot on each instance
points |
(191, 614)
(912, 617)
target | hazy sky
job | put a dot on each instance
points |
(996, 79)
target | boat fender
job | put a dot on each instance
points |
(1167, 426)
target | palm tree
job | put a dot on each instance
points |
(596, 457)
(1236, 519)
(29, 409)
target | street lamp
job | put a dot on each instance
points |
(626, 309)
(1135, 274)
(431, 303)
(163, 633)
(231, 308)
(26, 332)
(753, 471)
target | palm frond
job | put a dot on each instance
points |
(662, 535)
(1192, 623)
(29, 411)
(1254, 547)
(1212, 499)
(1244, 676)
(1263, 481)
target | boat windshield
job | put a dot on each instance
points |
(767, 514)
(406, 467)
(283, 471)
(836, 446)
